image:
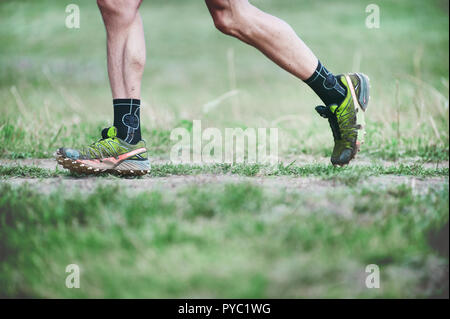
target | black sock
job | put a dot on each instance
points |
(327, 86)
(127, 119)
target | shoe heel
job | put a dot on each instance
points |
(361, 123)
(364, 98)
(361, 104)
(362, 101)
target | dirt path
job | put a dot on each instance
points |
(300, 184)
(309, 184)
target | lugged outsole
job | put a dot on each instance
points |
(79, 167)
(361, 103)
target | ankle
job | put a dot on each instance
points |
(127, 119)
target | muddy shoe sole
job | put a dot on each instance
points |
(361, 103)
(110, 165)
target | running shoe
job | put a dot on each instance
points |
(347, 118)
(108, 155)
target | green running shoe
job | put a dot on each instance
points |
(347, 118)
(110, 154)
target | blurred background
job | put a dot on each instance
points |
(54, 86)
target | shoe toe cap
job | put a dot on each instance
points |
(344, 158)
(69, 153)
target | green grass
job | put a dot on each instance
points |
(29, 171)
(318, 170)
(233, 240)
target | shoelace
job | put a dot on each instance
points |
(96, 150)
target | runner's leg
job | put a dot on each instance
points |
(125, 46)
(272, 36)
(126, 61)
(343, 95)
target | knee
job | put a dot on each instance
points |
(224, 22)
(229, 17)
(123, 10)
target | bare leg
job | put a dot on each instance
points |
(272, 36)
(125, 46)
(134, 59)
(121, 149)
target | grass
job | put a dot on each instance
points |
(228, 241)
(318, 170)
(29, 171)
